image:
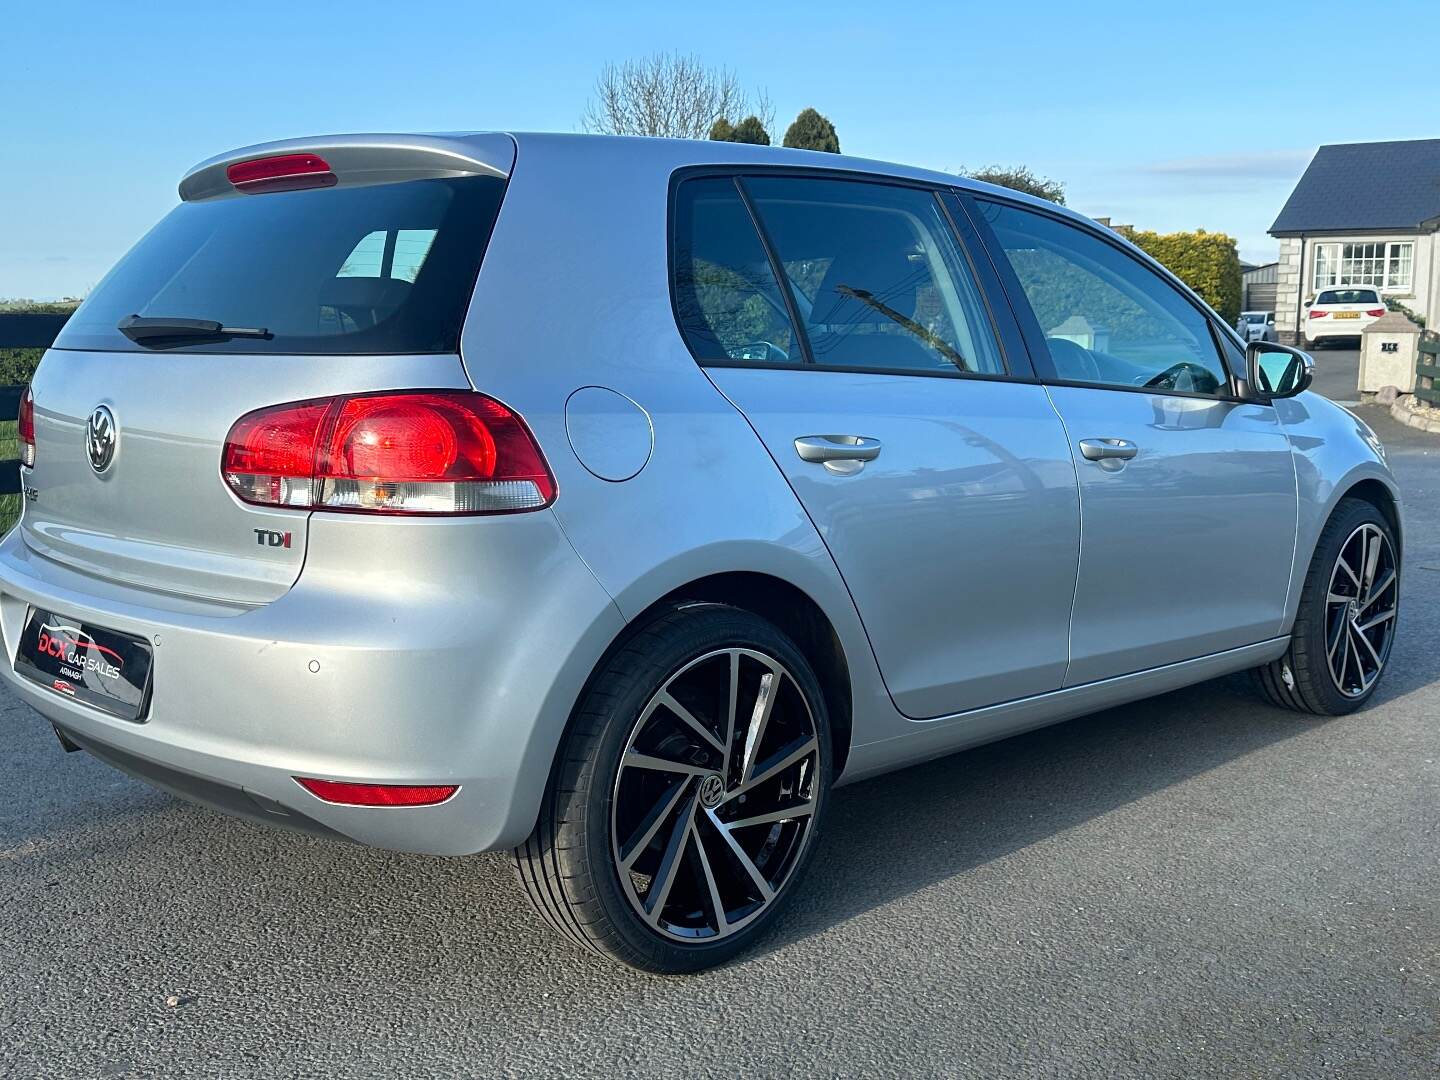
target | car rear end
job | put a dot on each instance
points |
(277, 554)
(1342, 312)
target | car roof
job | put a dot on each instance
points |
(673, 154)
(495, 152)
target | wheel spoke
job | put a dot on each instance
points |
(1371, 623)
(1375, 656)
(1345, 659)
(759, 721)
(669, 869)
(636, 760)
(788, 813)
(731, 710)
(1378, 590)
(1371, 559)
(1339, 635)
(766, 892)
(717, 906)
(691, 721)
(651, 825)
(779, 762)
(1341, 564)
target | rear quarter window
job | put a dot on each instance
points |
(385, 268)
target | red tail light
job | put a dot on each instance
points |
(283, 172)
(1318, 314)
(25, 428)
(431, 452)
(1375, 313)
(337, 791)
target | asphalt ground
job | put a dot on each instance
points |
(1198, 885)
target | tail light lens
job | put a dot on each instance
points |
(1318, 314)
(25, 428)
(432, 452)
(1375, 313)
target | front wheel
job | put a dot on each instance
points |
(1345, 626)
(687, 795)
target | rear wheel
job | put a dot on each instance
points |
(687, 796)
(1345, 626)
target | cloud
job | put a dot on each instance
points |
(1262, 165)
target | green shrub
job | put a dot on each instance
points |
(811, 131)
(1410, 313)
(1206, 261)
(749, 130)
(17, 365)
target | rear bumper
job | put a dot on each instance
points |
(458, 664)
(1346, 329)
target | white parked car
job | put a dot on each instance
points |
(1341, 312)
(1256, 326)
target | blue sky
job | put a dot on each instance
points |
(1158, 115)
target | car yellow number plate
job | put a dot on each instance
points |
(1347, 314)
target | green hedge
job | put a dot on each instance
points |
(17, 365)
(1207, 262)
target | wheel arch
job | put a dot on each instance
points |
(1378, 495)
(803, 620)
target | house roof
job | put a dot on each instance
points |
(1365, 187)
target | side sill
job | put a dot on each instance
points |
(947, 734)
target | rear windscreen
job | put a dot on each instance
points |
(1347, 296)
(382, 269)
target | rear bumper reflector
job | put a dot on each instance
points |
(347, 794)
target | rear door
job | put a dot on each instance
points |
(863, 352)
(343, 283)
(1188, 494)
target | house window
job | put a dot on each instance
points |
(1382, 265)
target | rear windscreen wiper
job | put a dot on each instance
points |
(165, 328)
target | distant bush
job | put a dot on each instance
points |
(1019, 178)
(17, 365)
(1206, 261)
(1410, 313)
(811, 131)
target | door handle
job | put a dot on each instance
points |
(837, 448)
(1108, 449)
(843, 455)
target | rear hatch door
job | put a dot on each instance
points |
(347, 281)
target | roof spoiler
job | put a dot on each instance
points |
(357, 160)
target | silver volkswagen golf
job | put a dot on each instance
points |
(613, 500)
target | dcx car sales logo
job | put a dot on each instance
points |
(101, 435)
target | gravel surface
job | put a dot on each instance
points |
(1194, 886)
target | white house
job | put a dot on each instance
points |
(1363, 214)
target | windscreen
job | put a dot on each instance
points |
(387, 268)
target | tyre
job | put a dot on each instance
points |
(1345, 625)
(687, 795)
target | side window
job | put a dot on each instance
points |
(397, 254)
(877, 276)
(726, 297)
(1107, 318)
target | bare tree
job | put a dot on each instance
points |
(667, 95)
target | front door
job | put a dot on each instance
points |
(1188, 495)
(943, 488)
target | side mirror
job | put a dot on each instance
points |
(1271, 320)
(1276, 371)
